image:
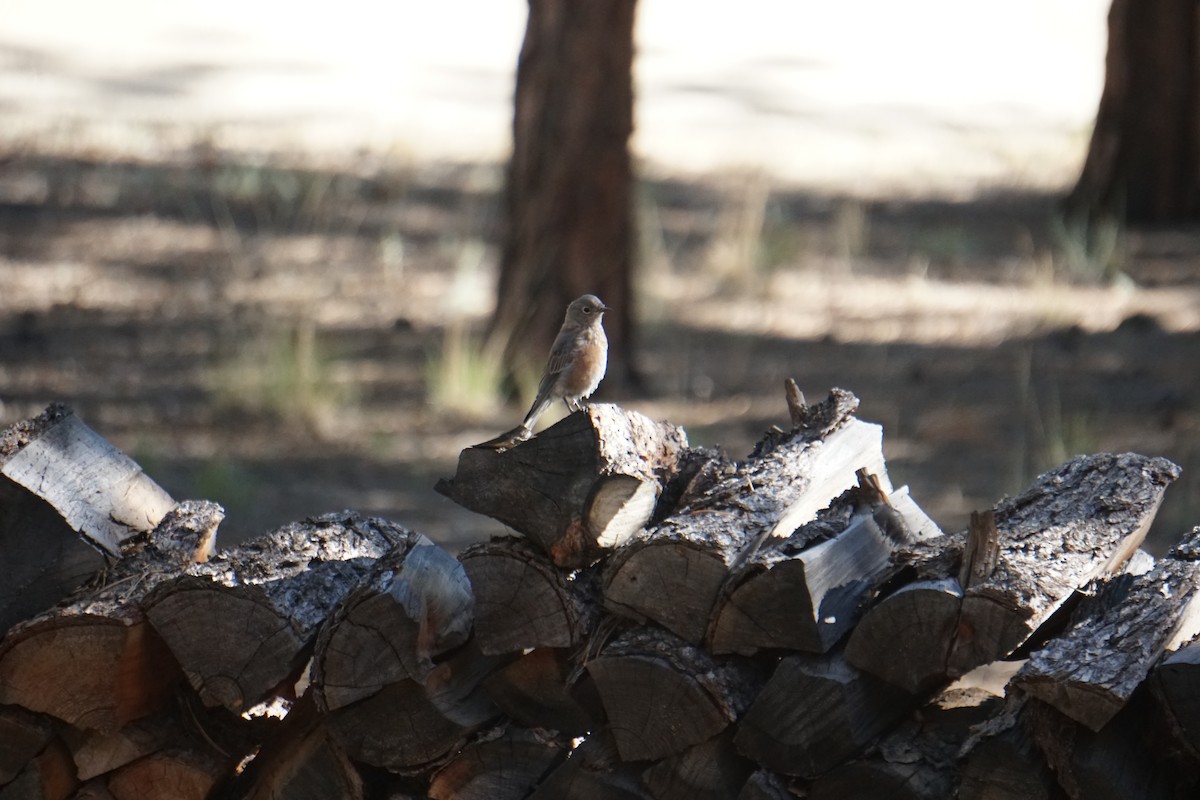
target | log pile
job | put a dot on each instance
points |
(667, 623)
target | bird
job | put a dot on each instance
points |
(574, 368)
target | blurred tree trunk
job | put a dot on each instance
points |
(569, 226)
(1143, 163)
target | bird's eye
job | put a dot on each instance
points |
(587, 309)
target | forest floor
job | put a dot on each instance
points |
(289, 341)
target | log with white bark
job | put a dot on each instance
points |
(95, 662)
(577, 489)
(68, 500)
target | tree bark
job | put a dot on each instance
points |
(1144, 158)
(1074, 523)
(244, 622)
(569, 193)
(1119, 633)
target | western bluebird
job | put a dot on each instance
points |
(577, 359)
(574, 367)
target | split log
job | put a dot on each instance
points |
(765, 785)
(662, 695)
(167, 774)
(578, 488)
(1117, 635)
(671, 574)
(876, 779)
(815, 713)
(523, 602)
(183, 725)
(67, 499)
(1176, 686)
(95, 662)
(297, 760)
(1124, 759)
(414, 605)
(243, 623)
(23, 735)
(49, 775)
(1006, 766)
(906, 639)
(593, 772)
(312, 767)
(95, 789)
(538, 690)
(795, 595)
(1073, 524)
(913, 760)
(711, 770)
(409, 726)
(504, 766)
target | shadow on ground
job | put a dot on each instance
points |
(168, 304)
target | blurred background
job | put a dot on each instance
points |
(260, 249)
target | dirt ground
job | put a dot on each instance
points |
(271, 337)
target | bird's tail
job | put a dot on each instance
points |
(535, 411)
(507, 439)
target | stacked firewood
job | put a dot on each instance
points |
(669, 623)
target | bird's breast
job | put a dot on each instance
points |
(587, 368)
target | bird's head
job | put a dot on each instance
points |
(585, 309)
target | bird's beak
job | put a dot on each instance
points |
(603, 307)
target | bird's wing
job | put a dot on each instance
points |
(561, 354)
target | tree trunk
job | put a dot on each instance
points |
(1144, 156)
(568, 199)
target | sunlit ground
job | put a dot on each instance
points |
(252, 245)
(862, 95)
